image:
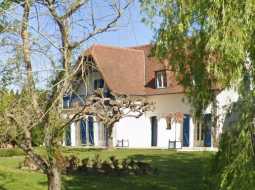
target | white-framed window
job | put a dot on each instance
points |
(160, 79)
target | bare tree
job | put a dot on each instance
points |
(70, 24)
(110, 109)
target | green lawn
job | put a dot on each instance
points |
(176, 171)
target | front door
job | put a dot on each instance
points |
(154, 131)
(186, 130)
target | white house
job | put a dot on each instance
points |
(133, 71)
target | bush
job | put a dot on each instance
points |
(72, 163)
(8, 152)
(106, 167)
(96, 163)
(115, 162)
(84, 164)
(111, 166)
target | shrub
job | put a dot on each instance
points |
(106, 167)
(72, 163)
(96, 163)
(85, 163)
(115, 162)
(125, 164)
(111, 166)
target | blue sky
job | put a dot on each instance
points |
(131, 33)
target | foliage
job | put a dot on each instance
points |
(234, 164)
(19, 103)
(112, 165)
(206, 42)
(37, 134)
(210, 45)
(6, 98)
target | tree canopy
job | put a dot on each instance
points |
(210, 44)
(206, 42)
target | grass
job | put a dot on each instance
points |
(176, 171)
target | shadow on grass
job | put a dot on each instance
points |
(6, 179)
(182, 171)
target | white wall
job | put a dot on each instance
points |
(138, 131)
(73, 134)
(165, 104)
(224, 100)
(96, 132)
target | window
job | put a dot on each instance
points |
(66, 102)
(98, 83)
(200, 132)
(161, 79)
(203, 127)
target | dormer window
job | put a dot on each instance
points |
(160, 79)
(98, 83)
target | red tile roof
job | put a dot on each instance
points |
(132, 70)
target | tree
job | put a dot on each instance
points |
(57, 31)
(111, 109)
(210, 44)
(6, 98)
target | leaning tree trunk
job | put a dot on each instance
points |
(54, 179)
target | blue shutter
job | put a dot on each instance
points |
(91, 130)
(83, 132)
(186, 130)
(101, 83)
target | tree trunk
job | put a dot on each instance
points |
(54, 179)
